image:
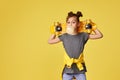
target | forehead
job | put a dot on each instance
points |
(72, 18)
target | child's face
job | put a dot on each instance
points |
(72, 21)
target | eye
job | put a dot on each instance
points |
(73, 22)
(68, 22)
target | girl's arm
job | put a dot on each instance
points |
(53, 39)
(97, 35)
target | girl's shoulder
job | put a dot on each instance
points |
(83, 33)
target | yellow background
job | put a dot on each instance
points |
(24, 31)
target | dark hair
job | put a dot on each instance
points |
(77, 15)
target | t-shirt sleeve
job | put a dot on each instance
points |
(61, 37)
(86, 37)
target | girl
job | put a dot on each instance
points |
(74, 42)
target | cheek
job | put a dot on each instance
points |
(75, 25)
(68, 25)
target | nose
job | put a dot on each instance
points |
(70, 24)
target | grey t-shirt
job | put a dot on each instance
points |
(74, 46)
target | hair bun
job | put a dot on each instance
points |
(79, 14)
(70, 13)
